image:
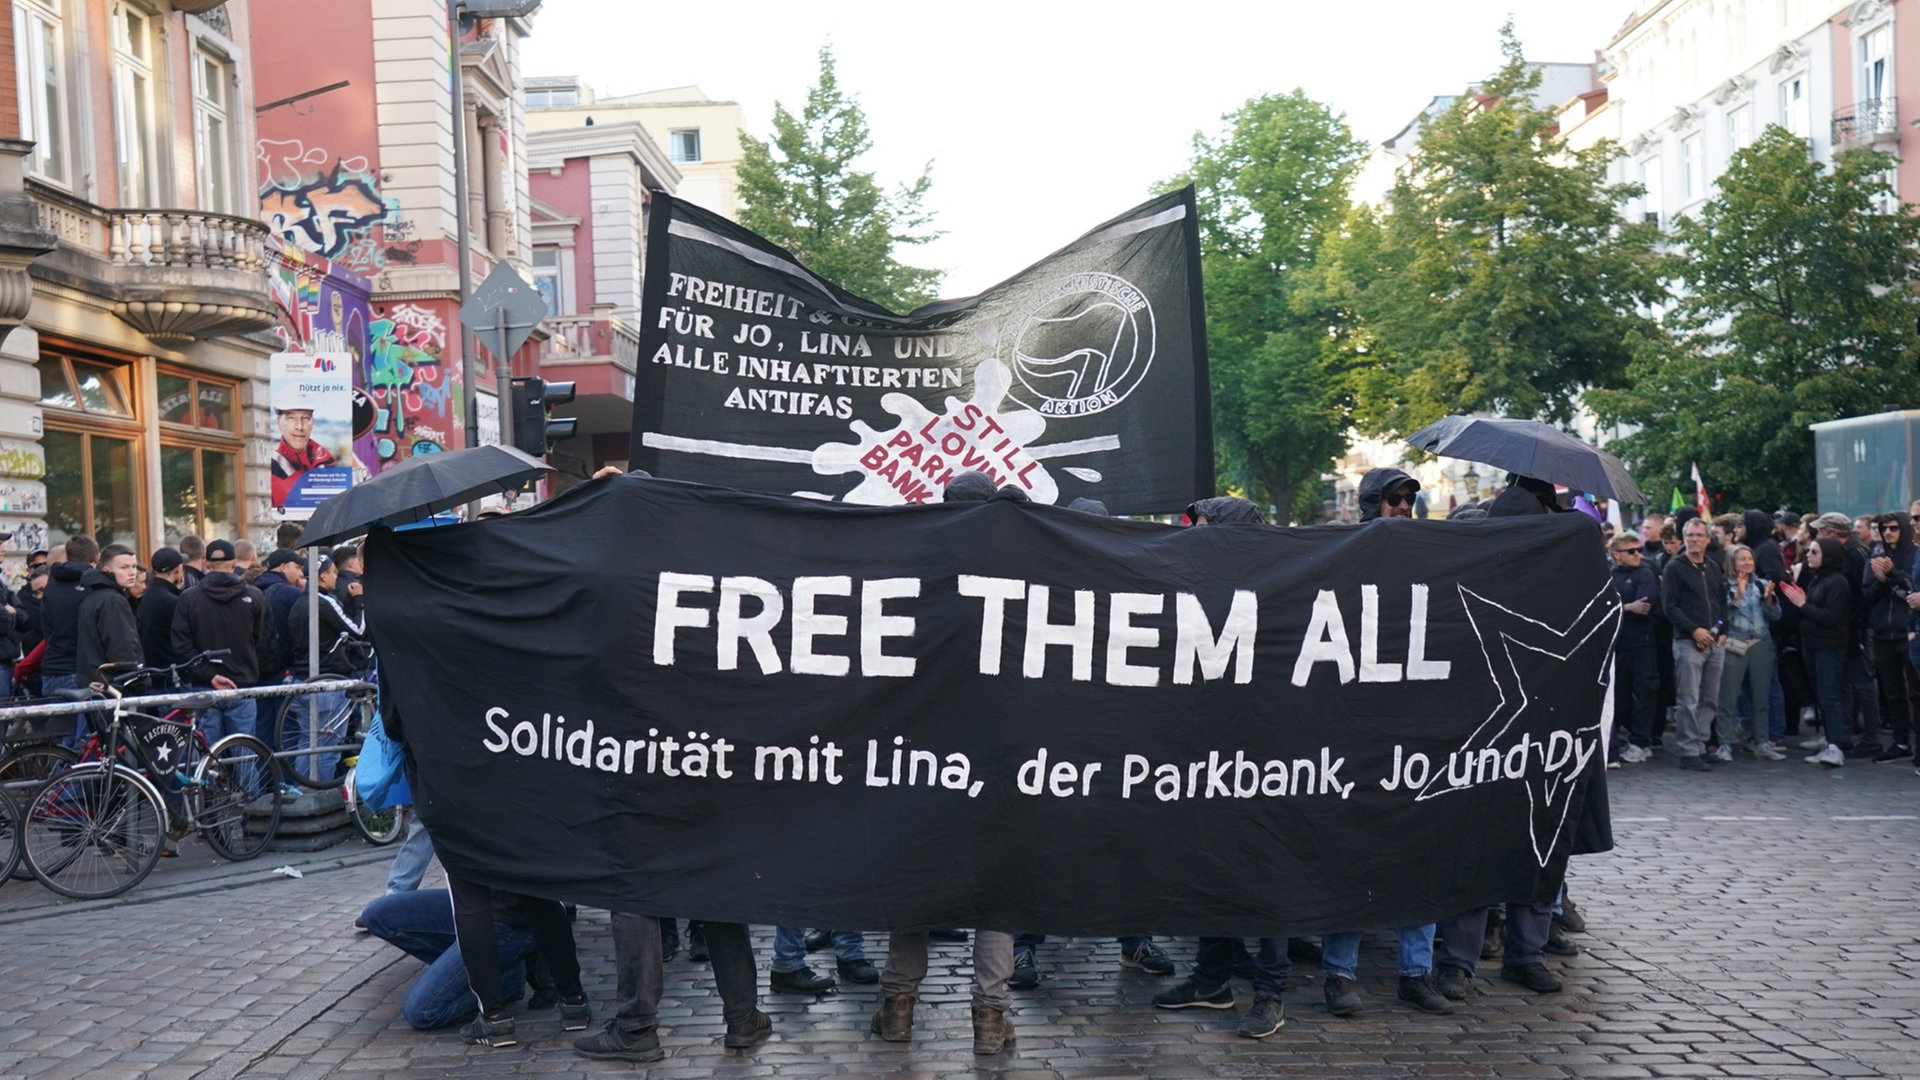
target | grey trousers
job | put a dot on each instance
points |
(638, 975)
(1696, 692)
(992, 966)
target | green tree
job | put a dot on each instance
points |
(1268, 188)
(1794, 304)
(1504, 279)
(802, 191)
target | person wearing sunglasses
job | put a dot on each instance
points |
(1636, 669)
(1387, 492)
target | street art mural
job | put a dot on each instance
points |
(331, 206)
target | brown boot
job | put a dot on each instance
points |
(894, 1021)
(992, 1030)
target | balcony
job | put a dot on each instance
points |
(173, 275)
(1873, 122)
(598, 353)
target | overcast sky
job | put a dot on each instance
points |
(1043, 118)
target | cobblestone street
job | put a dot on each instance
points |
(1759, 921)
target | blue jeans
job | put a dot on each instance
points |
(231, 718)
(410, 865)
(1272, 971)
(790, 947)
(1828, 666)
(1340, 953)
(421, 924)
(328, 706)
(81, 729)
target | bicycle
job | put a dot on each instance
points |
(25, 767)
(338, 731)
(9, 836)
(98, 828)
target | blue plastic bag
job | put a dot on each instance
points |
(380, 776)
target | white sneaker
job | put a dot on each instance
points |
(1816, 742)
(1831, 757)
(1807, 714)
(1724, 754)
(1766, 752)
(1634, 755)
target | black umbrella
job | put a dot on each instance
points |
(1530, 448)
(420, 487)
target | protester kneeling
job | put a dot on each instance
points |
(420, 923)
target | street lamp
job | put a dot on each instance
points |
(458, 10)
(1472, 480)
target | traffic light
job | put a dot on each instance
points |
(534, 431)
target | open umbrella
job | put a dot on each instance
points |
(420, 487)
(1530, 448)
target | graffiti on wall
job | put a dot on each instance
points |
(22, 464)
(414, 394)
(331, 206)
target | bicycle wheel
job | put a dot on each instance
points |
(9, 836)
(236, 797)
(22, 770)
(93, 832)
(379, 827)
(314, 766)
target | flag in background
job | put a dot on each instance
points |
(1700, 499)
(1678, 501)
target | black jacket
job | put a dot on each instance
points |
(1827, 616)
(336, 657)
(60, 611)
(222, 612)
(1886, 600)
(1767, 561)
(12, 626)
(155, 618)
(33, 626)
(1694, 597)
(107, 633)
(1635, 583)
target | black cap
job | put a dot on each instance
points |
(166, 559)
(220, 551)
(281, 557)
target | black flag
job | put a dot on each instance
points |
(1085, 374)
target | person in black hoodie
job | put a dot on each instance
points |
(155, 611)
(343, 649)
(105, 631)
(223, 612)
(1636, 675)
(1387, 492)
(60, 613)
(1884, 589)
(1826, 634)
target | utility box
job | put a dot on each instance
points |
(1866, 464)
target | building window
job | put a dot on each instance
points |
(546, 278)
(1793, 106)
(1693, 171)
(40, 60)
(1739, 129)
(213, 131)
(683, 145)
(1876, 65)
(551, 99)
(133, 107)
(91, 441)
(198, 492)
(1650, 180)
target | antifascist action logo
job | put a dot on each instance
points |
(1084, 347)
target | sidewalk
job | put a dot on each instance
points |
(1758, 921)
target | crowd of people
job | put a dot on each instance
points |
(1760, 634)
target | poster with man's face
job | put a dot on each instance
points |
(312, 398)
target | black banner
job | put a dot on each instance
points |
(675, 699)
(1085, 374)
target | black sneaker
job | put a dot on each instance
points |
(1304, 950)
(1267, 1016)
(1418, 991)
(1191, 995)
(1451, 982)
(803, 981)
(494, 1031)
(544, 998)
(752, 1031)
(1026, 975)
(1896, 752)
(1149, 958)
(610, 1044)
(669, 940)
(1570, 918)
(1343, 996)
(696, 943)
(858, 971)
(818, 939)
(1560, 944)
(1695, 763)
(1242, 966)
(575, 1014)
(1534, 977)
